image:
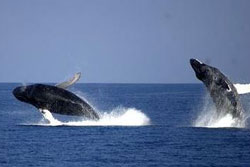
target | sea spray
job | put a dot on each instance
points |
(117, 117)
(49, 118)
(210, 118)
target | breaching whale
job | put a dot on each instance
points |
(222, 91)
(55, 99)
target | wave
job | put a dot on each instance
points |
(117, 117)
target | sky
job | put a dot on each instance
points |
(122, 41)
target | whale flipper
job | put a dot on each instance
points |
(66, 84)
(48, 116)
(242, 88)
(223, 84)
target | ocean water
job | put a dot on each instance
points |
(140, 125)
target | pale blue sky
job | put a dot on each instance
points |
(122, 41)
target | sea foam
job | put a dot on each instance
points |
(117, 117)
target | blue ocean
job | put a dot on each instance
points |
(140, 125)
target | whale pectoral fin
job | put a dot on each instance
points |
(70, 82)
(223, 84)
(242, 88)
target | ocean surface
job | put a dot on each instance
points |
(140, 125)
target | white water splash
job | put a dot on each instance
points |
(117, 117)
(225, 121)
(242, 88)
(209, 118)
(49, 117)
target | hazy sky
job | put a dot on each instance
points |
(142, 41)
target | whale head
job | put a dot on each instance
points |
(210, 76)
(199, 68)
(28, 94)
(203, 71)
(35, 95)
(22, 93)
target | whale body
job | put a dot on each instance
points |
(222, 91)
(55, 99)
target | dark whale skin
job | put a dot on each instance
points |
(222, 91)
(54, 99)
